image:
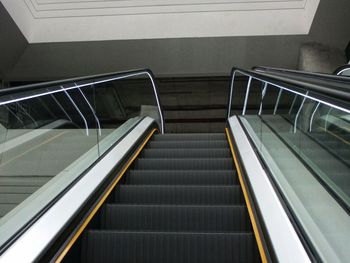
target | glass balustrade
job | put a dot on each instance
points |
(50, 135)
(304, 143)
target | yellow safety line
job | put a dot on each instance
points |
(337, 136)
(246, 198)
(33, 148)
(102, 200)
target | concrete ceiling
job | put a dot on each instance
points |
(89, 20)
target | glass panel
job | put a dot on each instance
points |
(331, 131)
(50, 136)
(117, 101)
(310, 164)
(38, 141)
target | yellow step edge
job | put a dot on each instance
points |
(246, 198)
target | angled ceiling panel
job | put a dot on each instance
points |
(91, 20)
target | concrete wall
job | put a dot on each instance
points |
(315, 57)
(12, 42)
(181, 57)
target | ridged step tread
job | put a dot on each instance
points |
(183, 164)
(183, 177)
(186, 153)
(159, 247)
(170, 194)
(180, 202)
(189, 137)
(188, 144)
(175, 218)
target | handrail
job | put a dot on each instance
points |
(320, 93)
(66, 81)
(92, 80)
(329, 90)
(302, 73)
(341, 69)
(333, 82)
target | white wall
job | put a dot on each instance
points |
(46, 21)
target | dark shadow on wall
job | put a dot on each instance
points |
(12, 42)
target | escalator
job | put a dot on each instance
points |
(180, 202)
(273, 188)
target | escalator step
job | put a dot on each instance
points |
(184, 164)
(189, 137)
(179, 194)
(180, 202)
(187, 144)
(186, 153)
(189, 177)
(175, 218)
(156, 247)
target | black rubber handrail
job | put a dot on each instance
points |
(311, 75)
(40, 85)
(332, 82)
(328, 87)
(325, 91)
(341, 69)
(95, 79)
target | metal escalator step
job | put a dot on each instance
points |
(180, 202)
(188, 144)
(175, 218)
(189, 137)
(189, 177)
(186, 153)
(184, 164)
(158, 247)
(178, 194)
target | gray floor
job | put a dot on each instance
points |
(24, 169)
(319, 153)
